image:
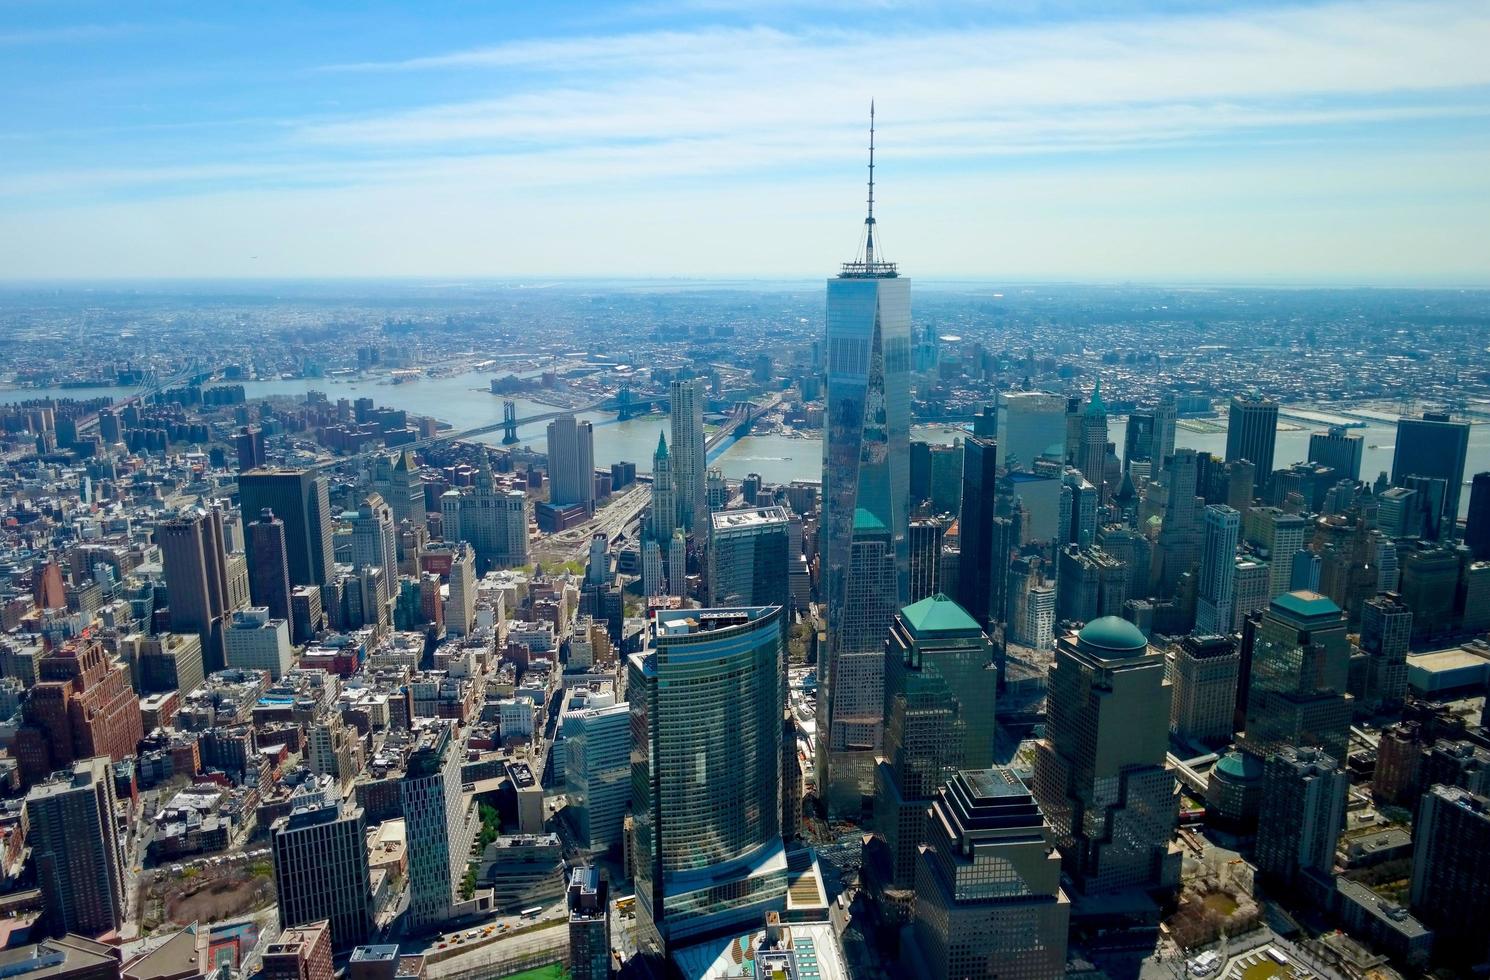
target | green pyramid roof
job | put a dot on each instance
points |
(938, 614)
(661, 445)
(1096, 406)
(865, 520)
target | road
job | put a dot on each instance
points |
(612, 519)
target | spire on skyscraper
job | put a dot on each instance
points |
(1096, 406)
(661, 446)
(866, 266)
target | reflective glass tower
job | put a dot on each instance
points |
(866, 489)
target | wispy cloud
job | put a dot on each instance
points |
(64, 35)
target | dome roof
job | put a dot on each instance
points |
(1238, 766)
(1114, 634)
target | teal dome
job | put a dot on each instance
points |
(1114, 635)
(1238, 767)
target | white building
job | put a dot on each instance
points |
(689, 463)
(375, 538)
(1217, 588)
(460, 608)
(256, 642)
(571, 462)
(515, 717)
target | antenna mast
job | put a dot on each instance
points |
(869, 220)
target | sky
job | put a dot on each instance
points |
(1179, 141)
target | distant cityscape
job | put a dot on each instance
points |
(724, 630)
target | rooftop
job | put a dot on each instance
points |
(1114, 635)
(1307, 605)
(749, 517)
(938, 614)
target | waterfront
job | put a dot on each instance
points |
(464, 401)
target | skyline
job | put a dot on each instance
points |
(1273, 144)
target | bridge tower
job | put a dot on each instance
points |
(509, 422)
(623, 404)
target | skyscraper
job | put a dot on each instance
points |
(1138, 439)
(1178, 548)
(1477, 530)
(662, 516)
(571, 462)
(268, 567)
(493, 518)
(689, 454)
(1031, 426)
(321, 866)
(706, 708)
(1436, 447)
(75, 849)
(374, 537)
(1298, 676)
(748, 557)
(1281, 536)
(677, 565)
(925, 540)
(1386, 632)
(1251, 434)
(988, 883)
(1099, 772)
(597, 775)
(301, 499)
(398, 480)
(1203, 674)
(1339, 449)
(254, 641)
(191, 547)
(589, 925)
(866, 484)
(939, 717)
(1165, 415)
(1217, 589)
(1091, 454)
(985, 562)
(1451, 870)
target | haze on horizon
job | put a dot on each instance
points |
(1275, 142)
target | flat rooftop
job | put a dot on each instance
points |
(749, 518)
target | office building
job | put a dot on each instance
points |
(1203, 675)
(1166, 414)
(866, 490)
(256, 642)
(493, 519)
(662, 516)
(1251, 434)
(248, 444)
(689, 454)
(588, 900)
(374, 537)
(1178, 548)
(1100, 775)
(988, 884)
(748, 557)
(321, 865)
(946, 464)
(652, 580)
(301, 499)
(75, 849)
(301, 953)
(1091, 453)
(1298, 681)
(169, 662)
(81, 706)
(460, 611)
(985, 544)
(1279, 536)
(1477, 529)
(1435, 447)
(1339, 449)
(851, 679)
(1216, 601)
(440, 821)
(706, 704)
(397, 479)
(1302, 813)
(269, 567)
(1138, 440)
(1451, 871)
(597, 775)
(571, 462)
(1253, 579)
(1031, 426)
(677, 565)
(196, 571)
(940, 687)
(925, 541)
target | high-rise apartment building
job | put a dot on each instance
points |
(748, 557)
(866, 485)
(1298, 681)
(1216, 601)
(1339, 449)
(440, 823)
(571, 462)
(75, 849)
(940, 687)
(588, 900)
(1433, 446)
(690, 457)
(269, 567)
(1302, 813)
(301, 499)
(254, 641)
(1451, 871)
(1251, 434)
(321, 865)
(195, 560)
(653, 583)
(1100, 775)
(988, 884)
(707, 702)
(1203, 676)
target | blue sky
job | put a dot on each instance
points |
(1185, 141)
